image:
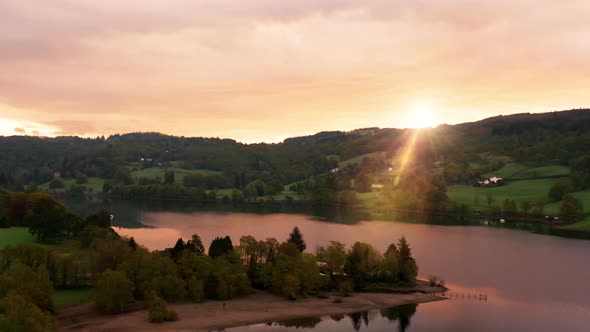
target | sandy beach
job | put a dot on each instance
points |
(256, 308)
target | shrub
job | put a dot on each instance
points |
(158, 311)
(345, 288)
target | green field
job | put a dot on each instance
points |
(583, 225)
(532, 190)
(94, 184)
(15, 235)
(539, 172)
(507, 171)
(179, 173)
(583, 196)
(70, 297)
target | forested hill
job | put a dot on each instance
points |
(213, 163)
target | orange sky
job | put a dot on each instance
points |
(264, 70)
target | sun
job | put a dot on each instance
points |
(422, 116)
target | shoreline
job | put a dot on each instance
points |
(258, 308)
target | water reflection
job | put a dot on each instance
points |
(371, 320)
(128, 214)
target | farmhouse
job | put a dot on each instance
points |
(493, 181)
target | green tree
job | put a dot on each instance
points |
(113, 291)
(334, 256)
(45, 216)
(404, 249)
(559, 189)
(32, 284)
(571, 209)
(296, 238)
(17, 314)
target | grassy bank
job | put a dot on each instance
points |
(15, 235)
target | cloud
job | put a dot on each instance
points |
(274, 68)
(19, 130)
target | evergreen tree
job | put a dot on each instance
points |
(178, 248)
(404, 249)
(296, 238)
(220, 246)
(132, 243)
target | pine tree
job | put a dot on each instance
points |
(178, 248)
(404, 249)
(296, 238)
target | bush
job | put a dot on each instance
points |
(158, 311)
(345, 288)
(436, 281)
(170, 288)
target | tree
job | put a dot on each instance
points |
(45, 216)
(334, 256)
(195, 245)
(169, 177)
(509, 207)
(32, 284)
(132, 243)
(113, 291)
(559, 189)
(220, 247)
(571, 209)
(391, 249)
(296, 238)
(17, 314)
(404, 249)
(101, 219)
(178, 248)
(525, 207)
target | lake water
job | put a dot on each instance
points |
(500, 279)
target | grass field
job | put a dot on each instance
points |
(94, 184)
(179, 173)
(507, 171)
(539, 172)
(15, 235)
(67, 298)
(476, 197)
(583, 196)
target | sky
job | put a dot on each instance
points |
(264, 70)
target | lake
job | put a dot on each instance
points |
(500, 279)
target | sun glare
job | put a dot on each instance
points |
(422, 116)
